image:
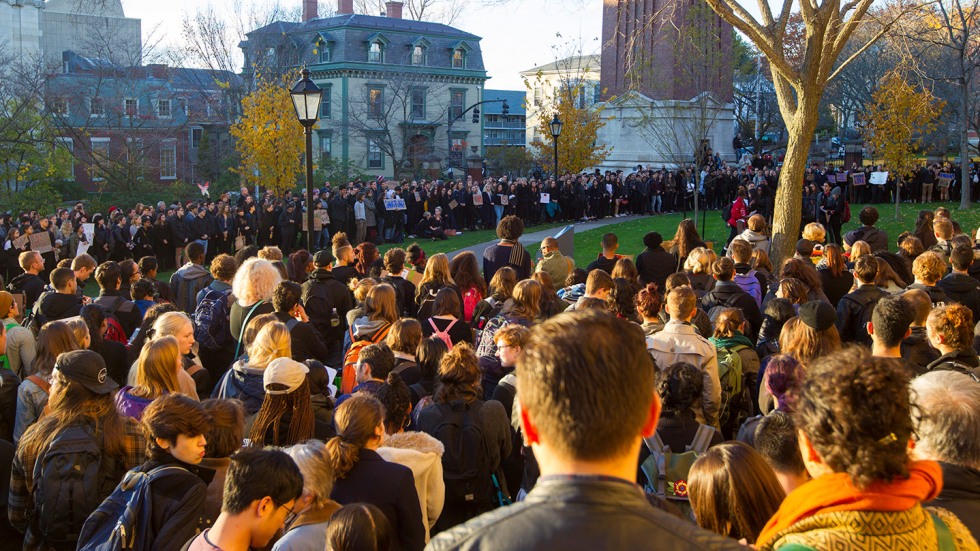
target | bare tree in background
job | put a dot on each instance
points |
(824, 32)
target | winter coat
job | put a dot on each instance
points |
(875, 238)
(963, 289)
(391, 488)
(936, 293)
(680, 342)
(728, 294)
(244, 383)
(370, 213)
(655, 266)
(186, 283)
(31, 285)
(321, 294)
(423, 454)
(58, 306)
(961, 495)
(849, 313)
(309, 531)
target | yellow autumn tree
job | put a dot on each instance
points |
(268, 137)
(577, 148)
(897, 119)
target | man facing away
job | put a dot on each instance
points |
(587, 497)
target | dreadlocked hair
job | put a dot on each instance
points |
(301, 422)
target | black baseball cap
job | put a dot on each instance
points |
(86, 368)
(323, 258)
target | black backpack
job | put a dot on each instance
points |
(466, 461)
(123, 519)
(726, 212)
(71, 478)
(867, 308)
(212, 326)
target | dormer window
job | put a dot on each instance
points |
(418, 55)
(459, 58)
(376, 52)
(324, 54)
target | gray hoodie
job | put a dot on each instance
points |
(186, 283)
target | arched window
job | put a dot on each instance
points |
(418, 55)
(376, 52)
(459, 58)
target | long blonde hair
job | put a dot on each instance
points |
(272, 342)
(156, 368)
(437, 270)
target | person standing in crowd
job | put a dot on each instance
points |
(364, 476)
(61, 303)
(855, 308)
(28, 283)
(254, 283)
(876, 497)
(678, 341)
(508, 252)
(261, 490)
(80, 412)
(654, 264)
(405, 290)
(191, 278)
(586, 497)
(125, 311)
(949, 404)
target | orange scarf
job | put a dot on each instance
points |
(835, 492)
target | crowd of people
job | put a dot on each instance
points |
(272, 397)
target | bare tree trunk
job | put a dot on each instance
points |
(789, 195)
(964, 146)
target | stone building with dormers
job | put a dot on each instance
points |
(394, 89)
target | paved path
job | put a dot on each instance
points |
(529, 239)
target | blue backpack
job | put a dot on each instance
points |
(212, 325)
(123, 519)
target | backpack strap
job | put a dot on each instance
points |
(41, 383)
(380, 334)
(702, 439)
(657, 452)
(432, 324)
(450, 326)
(241, 334)
(943, 535)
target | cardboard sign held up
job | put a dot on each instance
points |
(946, 178)
(503, 200)
(879, 178)
(477, 199)
(41, 242)
(545, 198)
(453, 204)
(395, 204)
(858, 178)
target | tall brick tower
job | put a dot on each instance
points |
(665, 50)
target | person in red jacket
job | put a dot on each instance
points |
(739, 213)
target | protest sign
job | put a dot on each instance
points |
(858, 178)
(879, 178)
(477, 199)
(545, 198)
(41, 242)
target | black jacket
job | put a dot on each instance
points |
(307, 341)
(963, 289)
(321, 294)
(607, 264)
(729, 295)
(835, 287)
(917, 350)
(936, 293)
(125, 310)
(961, 361)
(58, 306)
(31, 285)
(655, 265)
(849, 311)
(875, 238)
(580, 513)
(177, 502)
(391, 488)
(961, 495)
(405, 293)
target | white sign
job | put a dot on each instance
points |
(878, 178)
(89, 231)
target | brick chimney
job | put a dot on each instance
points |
(309, 10)
(393, 9)
(345, 7)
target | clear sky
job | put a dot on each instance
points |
(516, 36)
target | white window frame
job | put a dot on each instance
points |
(61, 107)
(168, 146)
(376, 56)
(324, 54)
(136, 107)
(419, 55)
(170, 108)
(373, 148)
(91, 108)
(461, 58)
(104, 144)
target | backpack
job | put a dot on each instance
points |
(122, 521)
(750, 284)
(33, 318)
(71, 479)
(726, 212)
(470, 299)
(667, 471)
(114, 330)
(444, 335)
(846, 216)
(736, 402)
(864, 316)
(348, 379)
(466, 460)
(212, 326)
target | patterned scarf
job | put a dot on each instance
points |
(836, 493)
(517, 252)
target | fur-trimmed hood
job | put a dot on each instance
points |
(418, 441)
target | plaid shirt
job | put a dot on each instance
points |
(21, 504)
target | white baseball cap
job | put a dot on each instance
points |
(286, 372)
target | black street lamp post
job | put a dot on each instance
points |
(306, 100)
(555, 132)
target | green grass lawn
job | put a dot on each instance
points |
(631, 233)
(455, 243)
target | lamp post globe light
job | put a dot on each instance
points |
(555, 132)
(306, 100)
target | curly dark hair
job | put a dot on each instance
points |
(855, 410)
(510, 227)
(622, 299)
(680, 386)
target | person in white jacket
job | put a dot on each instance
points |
(418, 451)
(755, 233)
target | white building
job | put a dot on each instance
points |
(545, 81)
